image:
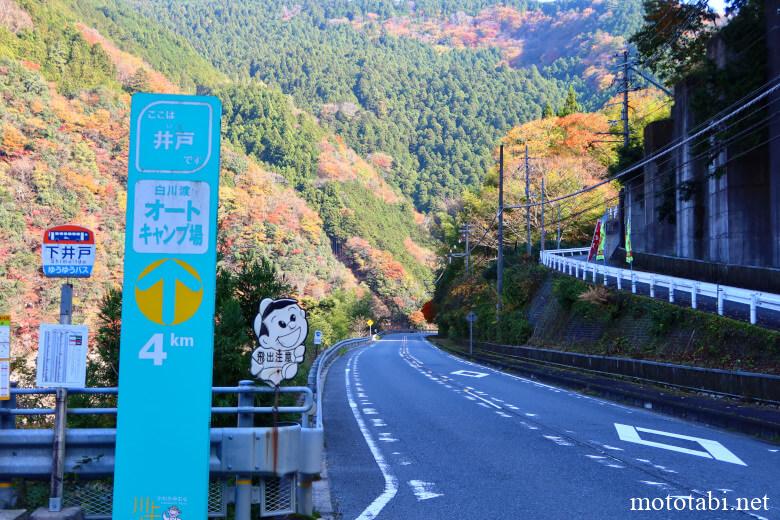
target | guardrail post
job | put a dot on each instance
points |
(594, 274)
(652, 287)
(753, 305)
(720, 301)
(694, 294)
(244, 482)
(620, 280)
(633, 282)
(605, 276)
(671, 291)
(576, 270)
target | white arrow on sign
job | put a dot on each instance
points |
(712, 449)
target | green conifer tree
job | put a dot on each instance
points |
(570, 106)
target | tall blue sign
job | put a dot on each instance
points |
(166, 354)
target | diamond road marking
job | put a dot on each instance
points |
(712, 449)
(469, 373)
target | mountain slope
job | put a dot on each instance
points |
(435, 109)
(64, 110)
(267, 126)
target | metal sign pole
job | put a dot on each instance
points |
(471, 338)
(60, 413)
(471, 318)
(243, 481)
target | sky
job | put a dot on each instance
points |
(717, 5)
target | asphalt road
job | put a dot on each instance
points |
(413, 432)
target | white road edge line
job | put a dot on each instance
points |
(391, 482)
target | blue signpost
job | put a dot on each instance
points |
(166, 355)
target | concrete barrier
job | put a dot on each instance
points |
(750, 385)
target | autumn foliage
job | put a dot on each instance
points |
(64, 160)
(338, 162)
(524, 37)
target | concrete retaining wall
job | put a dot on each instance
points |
(747, 384)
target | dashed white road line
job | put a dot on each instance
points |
(494, 405)
(423, 490)
(391, 482)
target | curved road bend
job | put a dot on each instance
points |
(413, 432)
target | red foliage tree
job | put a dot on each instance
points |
(429, 311)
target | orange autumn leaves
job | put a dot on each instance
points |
(567, 152)
(340, 163)
(127, 65)
(524, 37)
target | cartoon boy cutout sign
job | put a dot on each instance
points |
(281, 329)
(172, 513)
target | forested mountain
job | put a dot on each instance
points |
(569, 152)
(431, 84)
(290, 190)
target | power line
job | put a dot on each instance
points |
(713, 150)
(669, 148)
(676, 186)
(741, 135)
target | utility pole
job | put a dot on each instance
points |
(500, 260)
(466, 231)
(528, 203)
(543, 230)
(624, 114)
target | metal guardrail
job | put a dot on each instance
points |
(315, 372)
(241, 452)
(557, 259)
(244, 389)
(284, 459)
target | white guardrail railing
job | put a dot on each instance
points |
(561, 260)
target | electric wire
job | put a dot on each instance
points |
(668, 148)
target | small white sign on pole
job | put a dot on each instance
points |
(318, 337)
(62, 356)
(281, 329)
(5, 358)
(5, 380)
